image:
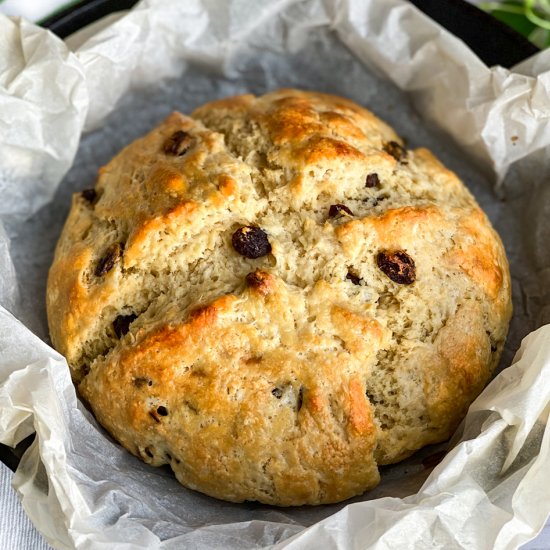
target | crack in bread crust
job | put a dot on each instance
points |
(290, 377)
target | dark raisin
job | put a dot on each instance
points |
(433, 460)
(277, 392)
(354, 278)
(163, 411)
(89, 195)
(260, 281)
(169, 456)
(255, 279)
(372, 399)
(178, 143)
(141, 381)
(494, 345)
(300, 400)
(372, 180)
(338, 209)
(154, 416)
(109, 259)
(398, 266)
(149, 452)
(396, 150)
(121, 324)
(251, 242)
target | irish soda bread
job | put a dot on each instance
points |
(274, 297)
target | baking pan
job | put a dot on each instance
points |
(491, 40)
(494, 42)
(75, 17)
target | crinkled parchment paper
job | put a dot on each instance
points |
(64, 113)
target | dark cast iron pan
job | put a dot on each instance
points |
(494, 42)
(491, 40)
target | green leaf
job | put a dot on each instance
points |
(518, 22)
(531, 18)
(540, 37)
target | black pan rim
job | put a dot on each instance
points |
(76, 16)
(494, 42)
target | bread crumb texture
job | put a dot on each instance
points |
(274, 297)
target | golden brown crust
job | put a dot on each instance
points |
(212, 416)
(287, 378)
(480, 253)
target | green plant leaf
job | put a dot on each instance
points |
(531, 18)
(518, 22)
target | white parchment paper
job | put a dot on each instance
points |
(65, 111)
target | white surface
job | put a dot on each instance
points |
(79, 488)
(16, 530)
(33, 10)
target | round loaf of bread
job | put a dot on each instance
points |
(274, 297)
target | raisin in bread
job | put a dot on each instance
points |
(274, 297)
